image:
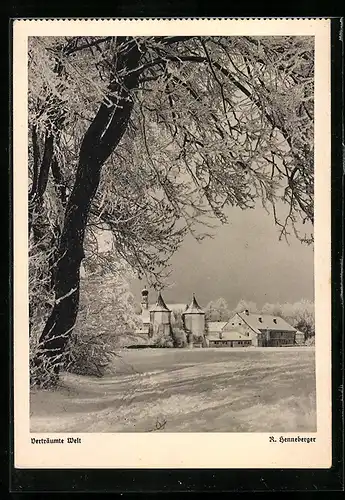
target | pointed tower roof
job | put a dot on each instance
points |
(194, 307)
(160, 305)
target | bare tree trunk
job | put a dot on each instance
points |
(100, 140)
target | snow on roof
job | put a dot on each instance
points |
(213, 336)
(234, 335)
(266, 322)
(216, 326)
(160, 305)
(194, 307)
(174, 308)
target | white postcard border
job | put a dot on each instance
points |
(175, 450)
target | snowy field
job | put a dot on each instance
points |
(180, 390)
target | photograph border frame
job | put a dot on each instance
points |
(149, 480)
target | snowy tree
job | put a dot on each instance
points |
(217, 310)
(299, 314)
(272, 309)
(244, 305)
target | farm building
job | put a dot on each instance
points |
(215, 328)
(220, 334)
(222, 338)
(263, 329)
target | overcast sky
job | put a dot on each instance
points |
(244, 260)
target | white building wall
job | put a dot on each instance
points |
(195, 323)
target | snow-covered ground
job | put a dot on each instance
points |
(181, 390)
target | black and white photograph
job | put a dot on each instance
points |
(170, 213)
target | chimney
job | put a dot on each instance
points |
(275, 320)
(246, 312)
(260, 319)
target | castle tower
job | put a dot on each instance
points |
(160, 317)
(194, 321)
(145, 314)
(144, 298)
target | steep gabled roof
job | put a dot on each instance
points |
(260, 322)
(194, 307)
(160, 305)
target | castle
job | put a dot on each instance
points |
(156, 319)
(243, 329)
